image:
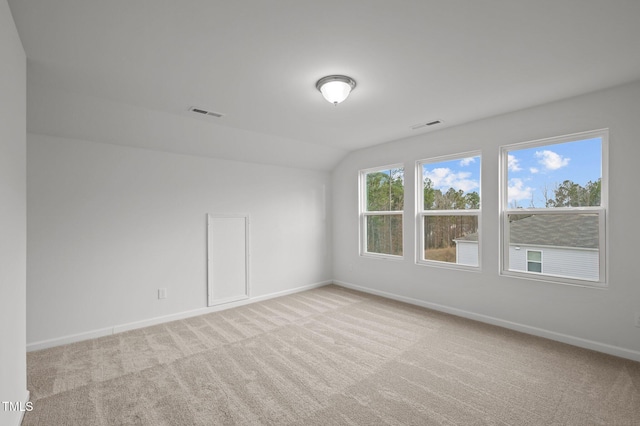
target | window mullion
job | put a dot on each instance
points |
(468, 212)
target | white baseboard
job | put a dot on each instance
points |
(92, 334)
(552, 335)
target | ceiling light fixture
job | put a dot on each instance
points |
(335, 88)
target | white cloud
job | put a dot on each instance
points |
(551, 160)
(466, 161)
(513, 163)
(533, 170)
(445, 178)
(517, 191)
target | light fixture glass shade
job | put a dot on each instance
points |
(335, 88)
(335, 91)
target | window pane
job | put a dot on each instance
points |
(452, 239)
(559, 175)
(534, 256)
(534, 267)
(569, 244)
(385, 190)
(452, 185)
(384, 234)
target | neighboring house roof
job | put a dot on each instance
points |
(574, 230)
(470, 238)
(579, 230)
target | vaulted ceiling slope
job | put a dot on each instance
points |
(257, 62)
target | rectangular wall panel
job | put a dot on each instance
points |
(228, 258)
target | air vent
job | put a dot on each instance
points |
(421, 125)
(205, 112)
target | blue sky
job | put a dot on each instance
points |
(533, 169)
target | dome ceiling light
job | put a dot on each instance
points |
(335, 88)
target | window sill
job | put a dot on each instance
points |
(382, 256)
(553, 279)
(448, 265)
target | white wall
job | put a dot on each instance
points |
(13, 383)
(110, 225)
(602, 319)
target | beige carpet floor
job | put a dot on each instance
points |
(329, 356)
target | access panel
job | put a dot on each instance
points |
(228, 258)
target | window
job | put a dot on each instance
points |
(381, 210)
(448, 212)
(554, 199)
(534, 261)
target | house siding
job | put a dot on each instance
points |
(567, 262)
(467, 253)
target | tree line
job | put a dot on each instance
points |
(571, 194)
(441, 231)
(567, 194)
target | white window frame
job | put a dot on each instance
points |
(364, 214)
(421, 213)
(600, 211)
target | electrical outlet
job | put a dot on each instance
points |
(637, 319)
(162, 293)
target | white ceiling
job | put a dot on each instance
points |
(257, 61)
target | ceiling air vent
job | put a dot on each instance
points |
(205, 112)
(421, 125)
